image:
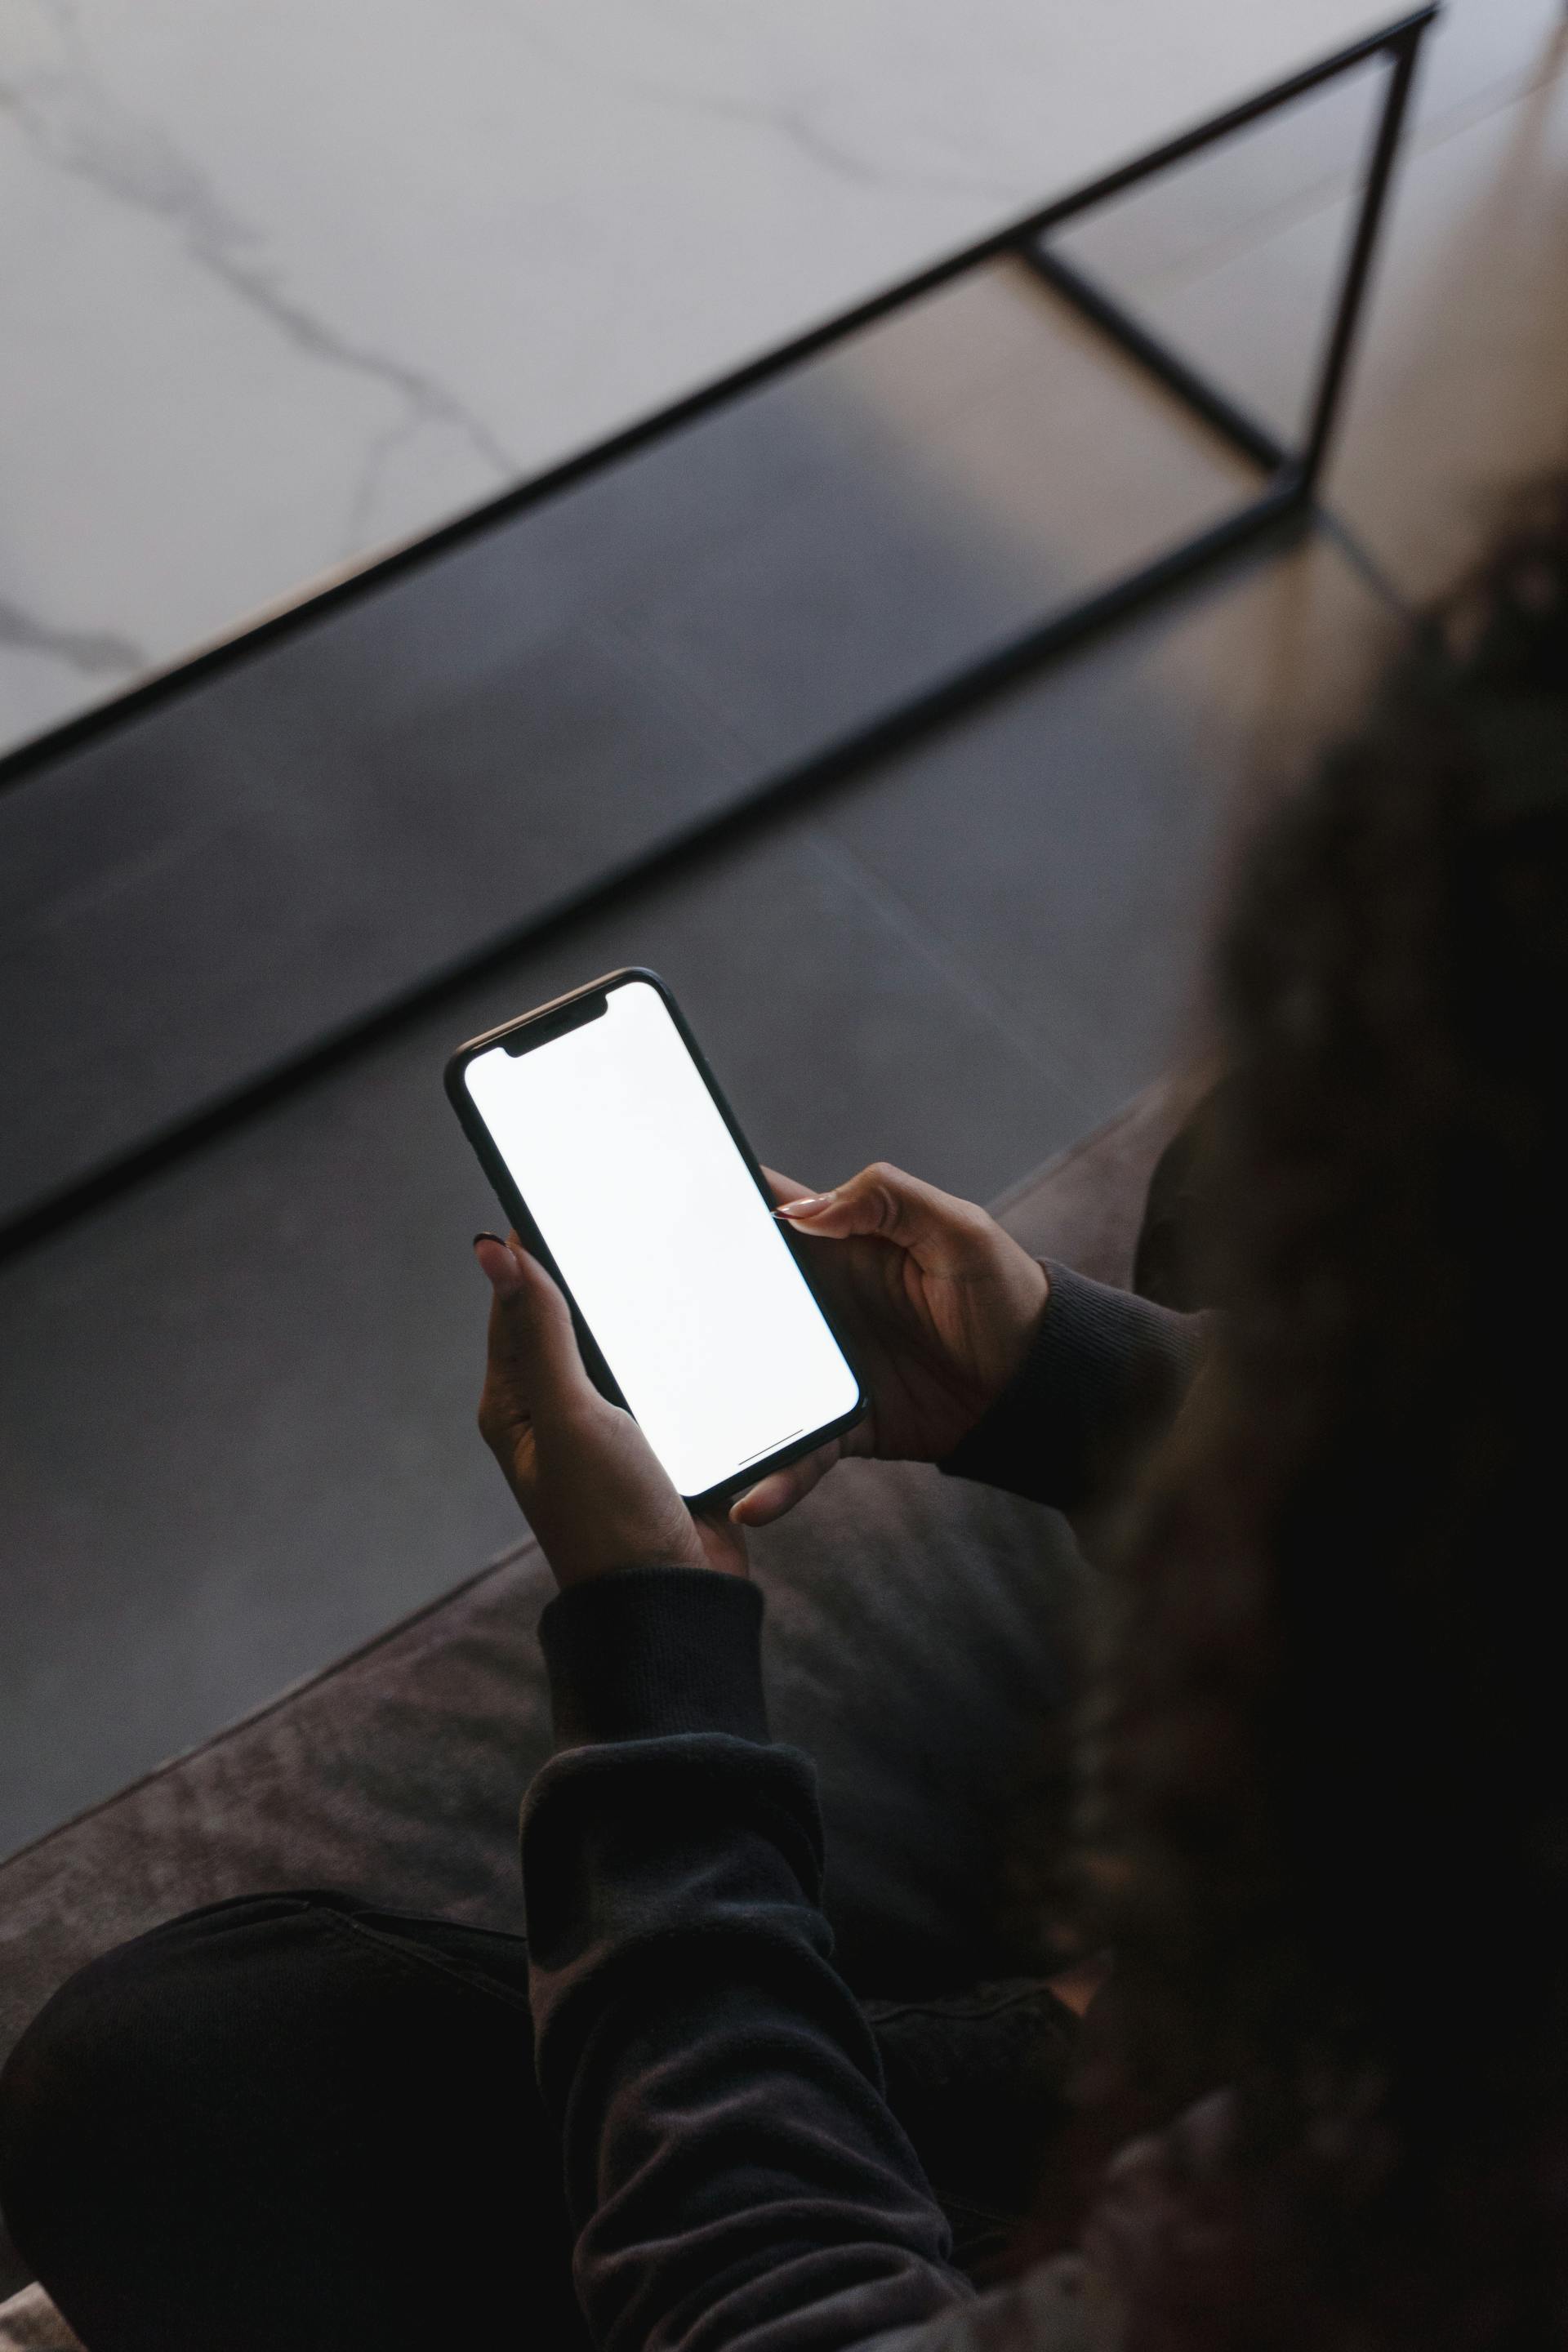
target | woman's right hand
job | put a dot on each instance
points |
(938, 1307)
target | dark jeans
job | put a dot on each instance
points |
(294, 2124)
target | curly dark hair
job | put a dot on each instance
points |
(1328, 1819)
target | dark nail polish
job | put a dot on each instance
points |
(487, 1238)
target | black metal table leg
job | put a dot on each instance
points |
(1405, 53)
(1295, 469)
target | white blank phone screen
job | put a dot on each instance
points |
(657, 1224)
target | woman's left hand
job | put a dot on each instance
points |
(588, 1482)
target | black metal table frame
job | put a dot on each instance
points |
(1292, 475)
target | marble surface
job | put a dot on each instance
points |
(284, 285)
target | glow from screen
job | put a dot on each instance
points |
(657, 1224)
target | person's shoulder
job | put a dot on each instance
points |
(1057, 2306)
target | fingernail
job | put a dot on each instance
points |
(484, 1234)
(806, 1208)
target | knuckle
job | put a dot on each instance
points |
(976, 1233)
(880, 1194)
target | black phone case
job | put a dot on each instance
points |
(570, 1012)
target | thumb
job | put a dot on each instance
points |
(937, 1229)
(534, 1360)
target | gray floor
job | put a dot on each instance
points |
(236, 1434)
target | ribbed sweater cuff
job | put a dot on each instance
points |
(1106, 1367)
(647, 1651)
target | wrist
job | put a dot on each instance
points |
(571, 1574)
(699, 1547)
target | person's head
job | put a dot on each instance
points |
(1329, 1820)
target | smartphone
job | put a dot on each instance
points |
(622, 1168)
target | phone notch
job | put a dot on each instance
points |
(575, 1015)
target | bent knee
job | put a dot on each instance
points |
(131, 2051)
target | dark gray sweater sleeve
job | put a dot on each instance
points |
(1106, 1371)
(733, 2174)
